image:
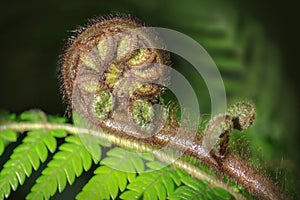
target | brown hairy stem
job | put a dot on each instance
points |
(250, 178)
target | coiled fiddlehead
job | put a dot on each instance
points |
(113, 79)
(109, 68)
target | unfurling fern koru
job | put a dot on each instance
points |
(114, 80)
(114, 69)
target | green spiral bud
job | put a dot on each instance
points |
(109, 66)
(142, 114)
(103, 105)
(242, 114)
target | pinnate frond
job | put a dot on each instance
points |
(28, 155)
(67, 164)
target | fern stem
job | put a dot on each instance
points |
(249, 178)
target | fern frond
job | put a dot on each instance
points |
(105, 184)
(68, 163)
(124, 160)
(120, 166)
(156, 184)
(28, 155)
(197, 189)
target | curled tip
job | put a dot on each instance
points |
(240, 116)
(243, 115)
(215, 131)
(115, 69)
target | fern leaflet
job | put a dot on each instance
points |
(120, 166)
(105, 184)
(197, 189)
(26, 156)
(7, 137)
(155, 185)
(66, 164)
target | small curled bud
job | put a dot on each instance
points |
(216, 133)
(239, 116)
(103, 105)
(143, 113)
(242, 114)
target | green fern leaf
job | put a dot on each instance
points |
(91, 143)
(6, 137)
(153, 185)
(104, 185)
(58, 133)
(124, 160)
(197, 189)
(121, 167)
(26, 156)
(33, 115)
(66, 164)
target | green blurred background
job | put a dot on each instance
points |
(255, 45)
